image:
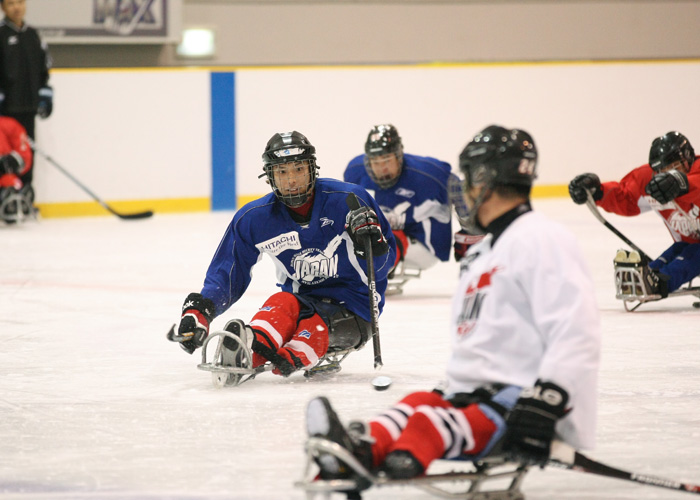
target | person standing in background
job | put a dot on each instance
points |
(24, 72)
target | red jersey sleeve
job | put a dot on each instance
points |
(622, 197)
(14, 138)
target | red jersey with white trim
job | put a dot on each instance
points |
(681, 216)
(525, 310)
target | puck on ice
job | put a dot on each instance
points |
(381, 383)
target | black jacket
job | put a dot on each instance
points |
(24, 67)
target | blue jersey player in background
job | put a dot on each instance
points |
(315, 241)
(412, 192)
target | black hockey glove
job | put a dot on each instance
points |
(667, 186)
(197, 313)
(11, 163)
(530, 424)
(45, 102)
(363, 223)
(582, 183)
(463, 240)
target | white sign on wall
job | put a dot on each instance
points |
(106, 21)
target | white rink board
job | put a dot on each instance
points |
(127, 135)
(583, 117)
(146, 134)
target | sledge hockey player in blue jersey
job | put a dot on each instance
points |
(412, 192)
(316, 243)
(525, 333)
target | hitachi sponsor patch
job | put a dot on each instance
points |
(278, 244)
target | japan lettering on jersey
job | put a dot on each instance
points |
(312, 265)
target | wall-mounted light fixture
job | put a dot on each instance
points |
(197, 43)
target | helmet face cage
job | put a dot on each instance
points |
(383, 140)
(455, 193)
(668, 150)
(289, 163)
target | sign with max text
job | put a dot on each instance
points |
(106, 21)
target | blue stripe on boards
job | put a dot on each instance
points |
(223, 141)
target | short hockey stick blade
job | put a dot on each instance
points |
(565, 457)
(137, 215)
(174, 337)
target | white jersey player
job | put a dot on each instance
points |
(525, 338)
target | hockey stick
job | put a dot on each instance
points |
(594, 209)
(138, 215)
(354, 204)
(565, 457)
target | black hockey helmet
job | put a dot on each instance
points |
(496, 156)
(383, 140)
(670, 148)
(290, 147)
(499, 156)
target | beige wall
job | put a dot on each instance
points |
(289, 32)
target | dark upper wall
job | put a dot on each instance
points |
(289, 32)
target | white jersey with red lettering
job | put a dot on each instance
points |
(525, 310)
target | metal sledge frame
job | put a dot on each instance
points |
(562, 456)
(629, 287)
(23, 209)
(223, 376)
(401, 276)
(629, 277)
(329, 363)
(486, 473)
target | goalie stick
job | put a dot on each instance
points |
(138, 215)
(594, 209)
(354, 204)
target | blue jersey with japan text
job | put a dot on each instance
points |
(418, 204)
(314, 259)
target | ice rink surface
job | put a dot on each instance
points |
(95, 403)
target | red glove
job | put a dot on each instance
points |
(463, 240)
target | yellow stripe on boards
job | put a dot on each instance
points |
(92, 208)
(185, 205)
(550, 191)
